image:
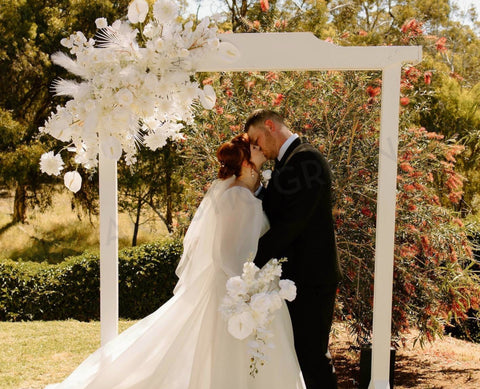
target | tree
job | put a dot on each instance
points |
(153, 182)
(29, 32)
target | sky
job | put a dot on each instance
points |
(207, 7)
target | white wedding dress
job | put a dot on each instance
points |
(185, 343)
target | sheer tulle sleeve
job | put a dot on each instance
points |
(240, 222)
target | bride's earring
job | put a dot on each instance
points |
(252, 173)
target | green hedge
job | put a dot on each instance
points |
(71, 290)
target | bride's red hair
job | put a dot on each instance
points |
(231, 155)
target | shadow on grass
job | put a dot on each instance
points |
(6, 227)
(54, 245)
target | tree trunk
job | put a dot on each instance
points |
(137, 222)
(168, 188)
(20, 204)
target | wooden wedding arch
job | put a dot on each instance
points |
(283, 52)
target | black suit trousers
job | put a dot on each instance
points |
(312, 314)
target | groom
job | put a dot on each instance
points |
(298, 203)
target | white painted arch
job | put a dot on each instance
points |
(283, 52)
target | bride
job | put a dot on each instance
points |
(185, 344)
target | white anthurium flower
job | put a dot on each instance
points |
(165, 11)
(51, 164)
(137, 11)
(101, 23)
(111, 148)
(241, 325)
(228, 52)
(73, 181)
(207, 96)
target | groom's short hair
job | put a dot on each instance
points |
(260, 115)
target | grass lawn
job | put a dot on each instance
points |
(34, 354)
(59, 232)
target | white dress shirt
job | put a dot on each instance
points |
(285, 146)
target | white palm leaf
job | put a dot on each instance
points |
(70, 88)
(61, 59)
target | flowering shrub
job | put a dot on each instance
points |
(339, 113)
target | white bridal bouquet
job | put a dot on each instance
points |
(136, 87)
(250, 304)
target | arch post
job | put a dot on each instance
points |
(385, 228)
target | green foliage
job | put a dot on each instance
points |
(70, 290)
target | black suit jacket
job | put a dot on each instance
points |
(298, 203)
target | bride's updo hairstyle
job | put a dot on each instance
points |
(231, 155)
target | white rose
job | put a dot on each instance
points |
(101, 23)
(73, 181)
(155, 140)
(241, 325)
(288, 290)
(51, 164)
(267, 175)
(275, 302)
(165, 11)
(261, 302)
(124, 97)
(236, 286)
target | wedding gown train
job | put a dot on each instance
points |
(185, 343)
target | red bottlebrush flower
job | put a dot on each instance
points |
(346, 34)
(404, 100)
(412, 28)
(229, 93)
(249, 84)
(307, 127)
(427, 77)
(408, 187)
(458, 221)
(373, 91)
(429, 177)
(412, 207)
(308, 85)
(456, 76)
(455, 197)
(406, 167)
(440, 44)
(219, 110)
(264, 5)
(366, 211)
(271, 76)
(412, 73)
(362, 33)
(278, 99)
(425, 240)
(256, 24)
